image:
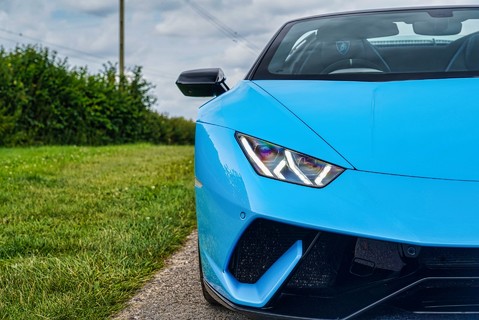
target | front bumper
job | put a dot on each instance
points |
(399, 211)
(342, 276)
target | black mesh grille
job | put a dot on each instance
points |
(320, 267)
(449, 257)
(261, 245)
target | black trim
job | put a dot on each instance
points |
(373, 77)
(254, 314)
(380, 10)
(202, 82)
(251, 72)
(372, 311)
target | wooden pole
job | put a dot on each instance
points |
(122, 38)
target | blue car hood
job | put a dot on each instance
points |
(421, 128)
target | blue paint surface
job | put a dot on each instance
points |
(409, 149)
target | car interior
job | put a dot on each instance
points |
(379, 46)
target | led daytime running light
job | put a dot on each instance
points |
(295, 169)
(256, 160)
(279, 163)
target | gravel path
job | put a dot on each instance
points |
(175, 292)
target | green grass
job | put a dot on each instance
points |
(81, 228)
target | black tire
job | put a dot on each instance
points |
(208, 297)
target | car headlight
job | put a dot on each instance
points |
(276, 162)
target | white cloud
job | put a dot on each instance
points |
(168, 36)
(94, 7)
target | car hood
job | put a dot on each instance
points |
(421, 128)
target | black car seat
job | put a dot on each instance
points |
(467, 56)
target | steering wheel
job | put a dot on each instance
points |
(353, 64)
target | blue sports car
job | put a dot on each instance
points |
(341, 176)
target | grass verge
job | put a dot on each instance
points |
(81, 228)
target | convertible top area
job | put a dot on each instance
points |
(376, 46)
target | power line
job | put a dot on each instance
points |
(74, 53)
(82, 55)
(19, 34)
(8, 39)
(225, 29)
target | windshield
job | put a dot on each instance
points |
(416, 43)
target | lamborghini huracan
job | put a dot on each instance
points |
(341, 176)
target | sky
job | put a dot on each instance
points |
(166, 37)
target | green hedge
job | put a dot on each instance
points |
(43, 101)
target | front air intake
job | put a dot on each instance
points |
(261, 245)
(340, 275)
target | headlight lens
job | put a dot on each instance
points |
(271, 160)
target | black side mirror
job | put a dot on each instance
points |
(202, 82)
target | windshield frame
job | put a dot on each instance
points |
(260, 70)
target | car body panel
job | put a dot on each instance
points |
(260, 293)
(364, 204)
(262, 116)
(422, 128)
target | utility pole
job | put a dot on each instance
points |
(122, 38)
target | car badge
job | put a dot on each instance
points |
(343, 47)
